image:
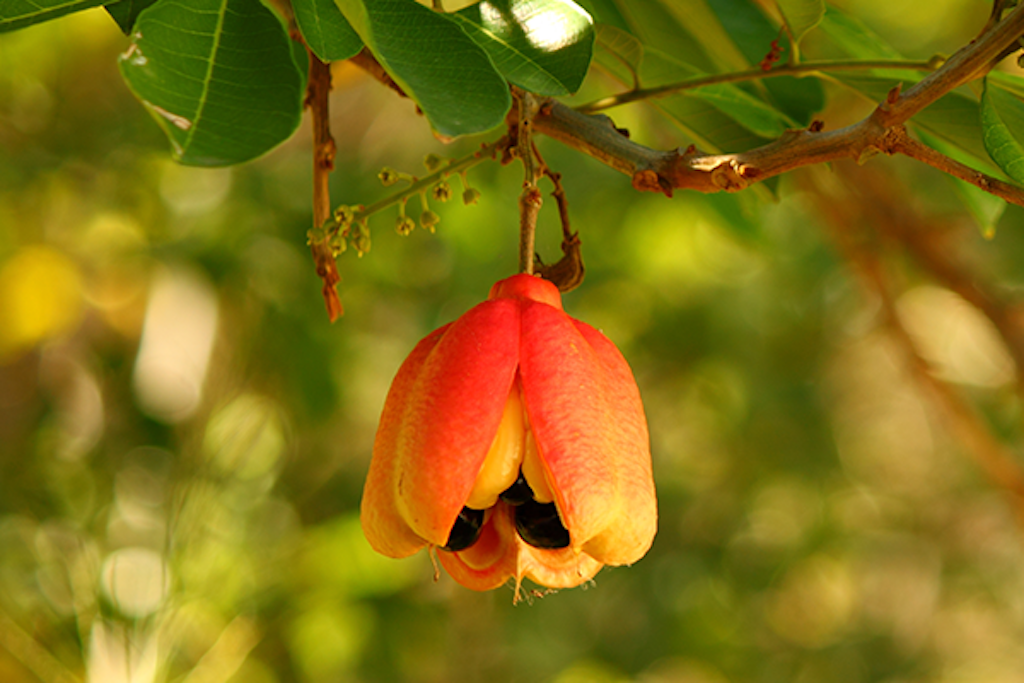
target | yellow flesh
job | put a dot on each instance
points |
(533, 470)
(513, 448)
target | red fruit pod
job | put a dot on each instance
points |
(529, 421)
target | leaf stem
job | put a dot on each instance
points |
(881, 132)
(421, 185)
(318, 90)
(910, 147)
(530, 199)
(638, 94)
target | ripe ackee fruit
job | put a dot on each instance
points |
(514, 440)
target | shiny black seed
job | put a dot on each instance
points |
(518, 493)
(538, 524)
(465, 530)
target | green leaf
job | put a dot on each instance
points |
(986, 208)
(325, 29)
(718, 117)
(747, 25)
(955, 117)
(1006, 81)
(854, 38)
(15, 14)
(543, 46)
(757, 116)
(605, 12)
(1002, 120)
(448, 75)
(656, 27)
(624, 50)
(801, 16)
(700, 21)
(218, 77)
(749, 111)
(125, 12)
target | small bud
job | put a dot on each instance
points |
(360, 236)
(442, 191)
(404, 225)
(338, 245)
(388, 176)
(429, 219)
(344, 215)
(432, 162)
(470, 196)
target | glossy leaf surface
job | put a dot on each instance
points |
(544, 47)
(325, 29)
(449, 76)
(15, 14)
(220, 80)
(753, 32)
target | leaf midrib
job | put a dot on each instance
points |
(208, 78)
(43, 11)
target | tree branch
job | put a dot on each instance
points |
(926, 155)
(530, 199)
(665, 171)
(318, 92)
(637, 94)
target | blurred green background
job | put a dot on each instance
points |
(183, 435)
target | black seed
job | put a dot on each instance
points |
(518, 493)
(466, 530)
(538, 524)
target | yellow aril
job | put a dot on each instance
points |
(533, 470)
(501, 466)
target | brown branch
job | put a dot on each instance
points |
(567, 272)
(530, 200)
(318, 92)
(638, 94)
(926, 155)
(665, 171)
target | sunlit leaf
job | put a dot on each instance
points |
(801, 16)
(15, 14)
(542, 46)
(325, 29)
(221, 81)
(1002, 117)
(449, 76)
